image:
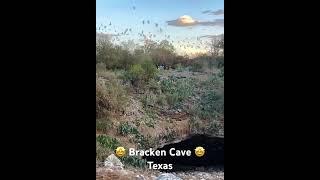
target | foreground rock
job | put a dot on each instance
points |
(113, 162)
(168, 176)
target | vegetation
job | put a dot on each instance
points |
(177, 90)
(111, 96)
(134, 161)
(106, 145)
(161, 81)
(140, 74)
(125, 128)
(103, 125)
(108, 142)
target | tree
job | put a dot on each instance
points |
(216, 46)
(163, 54)
(129, 45)
(164, 44)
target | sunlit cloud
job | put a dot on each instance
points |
(186, 20)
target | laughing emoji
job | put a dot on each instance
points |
(199, 151)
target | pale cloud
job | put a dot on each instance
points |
(104, 36)
(220, 36)
(216, 12)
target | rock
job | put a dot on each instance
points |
(140, 177)
(113, 162)
(167, 176)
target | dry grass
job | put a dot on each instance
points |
(111, 96)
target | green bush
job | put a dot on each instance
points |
(140, 74)
(211, 105)
(135, 74)
(177, 90)
(150, 70)
(108, 142)
(134, 161)
(125, 128)
(113, 56)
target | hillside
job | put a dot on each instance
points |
(165, 111)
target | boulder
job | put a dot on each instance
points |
(113, 162)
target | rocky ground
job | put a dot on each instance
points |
(113, 169)
(125, 174)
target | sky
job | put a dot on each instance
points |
(187, 24)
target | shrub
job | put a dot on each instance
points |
(148, 119)
(213, 128)
(144, 142)
(125, 128)
(150, 70)
(179, 67)
(214, 82)
(134, 161)
(101, 152)
(108, 142)
(135, 74)
(197, 66)
(177, 90)
(149, 99)
(161, 100)
(113, 56)
(211, 105)
(140, 58)
(219, 61)
(154, 86)
(111, 96)
(100, 67)
(169, 136)
(140, 74)
(103, 124)
(221, 72)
